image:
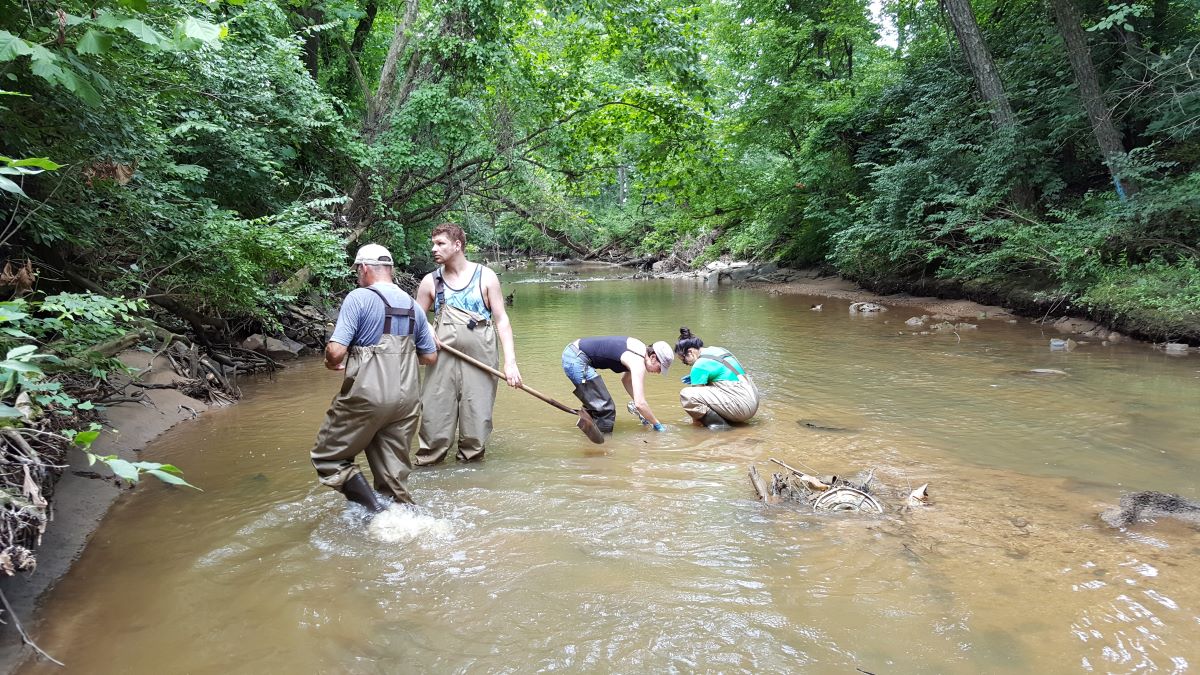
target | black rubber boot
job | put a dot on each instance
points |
(712, 419)
(599, 403)
(358, 491)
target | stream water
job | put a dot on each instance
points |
(650, 553)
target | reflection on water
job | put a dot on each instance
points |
(649, 553)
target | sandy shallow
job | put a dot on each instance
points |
(836, 287)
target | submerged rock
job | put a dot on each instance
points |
(1137, 506)
(866, 308)
(1057, 345)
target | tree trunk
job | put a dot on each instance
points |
(979, 59)
(312, 41)
(987, 80)
(1107, 137)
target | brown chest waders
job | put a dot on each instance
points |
(732, 401)
(376, 412)
(456, 396)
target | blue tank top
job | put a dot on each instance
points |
(605, 351)
(468, 298)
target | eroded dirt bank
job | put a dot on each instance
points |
(85, 493)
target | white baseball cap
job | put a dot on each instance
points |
(373, 254)
(665, 354)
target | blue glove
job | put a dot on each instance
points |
(686, 379)
(659, 427)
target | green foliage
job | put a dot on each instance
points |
(1161, 296)
(130, 472)
(22, 378)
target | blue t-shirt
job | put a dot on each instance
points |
(360, 320)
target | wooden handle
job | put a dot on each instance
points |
(480, 364)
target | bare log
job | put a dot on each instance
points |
(760, 486)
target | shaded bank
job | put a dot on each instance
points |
(85, 493)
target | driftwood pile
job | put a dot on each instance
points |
(829, 493)
(31, 461)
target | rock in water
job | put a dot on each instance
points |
(1136, 506)
(866, 308)
(401, 523)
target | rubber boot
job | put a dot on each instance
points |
(358, 491)
(599, 403)
(712, 419)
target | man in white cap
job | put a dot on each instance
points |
(379, 340)
(469, 316)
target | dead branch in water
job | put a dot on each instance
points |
(25, 636)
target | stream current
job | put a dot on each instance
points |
(650, 553)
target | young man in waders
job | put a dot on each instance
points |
(469, 315)
(379, 339)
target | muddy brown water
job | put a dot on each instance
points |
(649, 553)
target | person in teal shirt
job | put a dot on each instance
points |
(719, 390)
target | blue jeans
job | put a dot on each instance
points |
(576, 365)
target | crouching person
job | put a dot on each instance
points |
(378, 341)
(719, 391)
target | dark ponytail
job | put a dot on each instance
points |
(687, 341)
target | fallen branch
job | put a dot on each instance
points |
(812, 482)
(760, 486)
(25, 636)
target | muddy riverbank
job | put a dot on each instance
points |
(84, 494)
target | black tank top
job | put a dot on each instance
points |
(605, 351)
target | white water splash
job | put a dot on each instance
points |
(403, 524)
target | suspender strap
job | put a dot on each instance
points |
(391, 314)
(723, 359)
(439, 288)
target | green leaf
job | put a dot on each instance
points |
(39, 162)
(86, 405)
(8, 412)
(9, 186)
(11, 311)
(170, 478)
(44, 64)
(21, 351)
(81, 88)
(203, 31)
(13, 332)
(85, 439)
(123, 469)
(135, 5)
(12, 46)
(20, 367)
(135, 27)
(94, 42)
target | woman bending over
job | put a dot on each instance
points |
(620, 354)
